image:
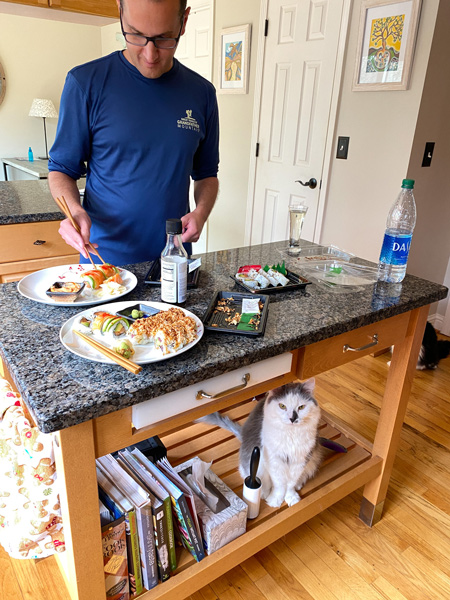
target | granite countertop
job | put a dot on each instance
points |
(28, 202)
(62, 389)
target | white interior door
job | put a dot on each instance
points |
(297, 86)
(195, 51)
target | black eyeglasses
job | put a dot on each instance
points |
(135, 39)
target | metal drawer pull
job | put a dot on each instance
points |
(374, 342)
(38, 242)
(201, 395)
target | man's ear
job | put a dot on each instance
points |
(185, 19)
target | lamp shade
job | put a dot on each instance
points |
(43, 108)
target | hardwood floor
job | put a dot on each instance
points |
(334, 556)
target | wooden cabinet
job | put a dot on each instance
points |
(29, 247)
(101, 8)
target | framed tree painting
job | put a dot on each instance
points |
(234, 55)
(386, 40)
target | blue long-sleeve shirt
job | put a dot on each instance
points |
(138, 141)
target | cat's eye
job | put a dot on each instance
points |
(301, 407)
(282, 406)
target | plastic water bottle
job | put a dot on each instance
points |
(30, 154)
(174, 265)
(397, 238)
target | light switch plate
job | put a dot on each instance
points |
(428, 154)
(342, 147)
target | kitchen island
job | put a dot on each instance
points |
(93, 408)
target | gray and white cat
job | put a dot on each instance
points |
(285, 427)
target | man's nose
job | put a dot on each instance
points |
(150, 51)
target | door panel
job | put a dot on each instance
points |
(299, 63)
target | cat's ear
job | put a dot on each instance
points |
(309, 385)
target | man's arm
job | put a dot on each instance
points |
(205, 194)
(62, 185)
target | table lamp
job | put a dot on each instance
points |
(45, 109)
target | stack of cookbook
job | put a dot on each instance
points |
(145, 508)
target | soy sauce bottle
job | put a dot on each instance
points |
(174, 265)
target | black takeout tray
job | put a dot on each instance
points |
(153, 276)
(148, 311)
(214, 320)
(296, 282)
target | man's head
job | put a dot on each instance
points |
(156, 19)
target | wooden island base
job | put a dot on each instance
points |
(364, 464)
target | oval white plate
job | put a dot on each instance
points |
(35, 285)
(143, 354)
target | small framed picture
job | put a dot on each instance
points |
(386, 40)
(234, 55)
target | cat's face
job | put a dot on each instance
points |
(292, 404)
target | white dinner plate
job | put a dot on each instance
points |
(143, 353)
(35, 285)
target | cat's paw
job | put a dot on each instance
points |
(292, 498)
(265, 492)
(274, 499)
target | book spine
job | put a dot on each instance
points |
(115, 511)
(195, 541)
(162, 547)
(134, 558)
(170, 534)
(115, 560)
(147, 546)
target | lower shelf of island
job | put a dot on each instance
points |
(339, 475)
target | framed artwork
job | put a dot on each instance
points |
(2, 83)
(234, 55)
(386, 40)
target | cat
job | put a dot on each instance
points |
(432, 350)
(285, 427)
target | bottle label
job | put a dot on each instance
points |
(173, 281)
(395, 249)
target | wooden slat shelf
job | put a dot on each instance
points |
(340, 473)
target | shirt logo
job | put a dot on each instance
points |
(188, 122)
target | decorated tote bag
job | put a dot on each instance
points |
(30, 515)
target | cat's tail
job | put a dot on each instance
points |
(224, 422)
(443, 348)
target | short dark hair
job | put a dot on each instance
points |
(182, 6)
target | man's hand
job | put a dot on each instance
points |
(192, 227)
(72, 237)
(205, 193)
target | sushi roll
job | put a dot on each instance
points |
(93, 278)
(278, 278)
(125, 349)
(108, 270)
(114, 327)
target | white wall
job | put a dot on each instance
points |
(381, 127)
(227, 221)
(36, 53)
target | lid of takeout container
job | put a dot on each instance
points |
(216, 320)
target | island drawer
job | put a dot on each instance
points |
(27, 241)
(191, 397)
(344, 348)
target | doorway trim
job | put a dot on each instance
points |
(332, 117)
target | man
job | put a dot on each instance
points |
(143, 123)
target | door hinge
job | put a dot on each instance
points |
(266, 27)
(257, 150)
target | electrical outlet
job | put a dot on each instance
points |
(428, 154)
(342, 147)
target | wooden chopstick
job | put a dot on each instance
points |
(66, 211)
(120, 360)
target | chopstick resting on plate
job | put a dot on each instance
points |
(120, 360)
(64, 208)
